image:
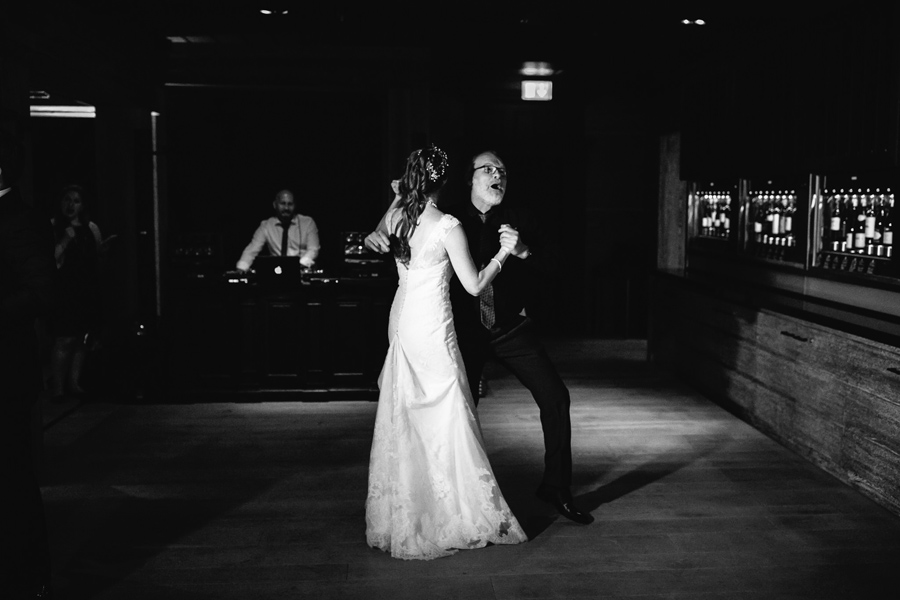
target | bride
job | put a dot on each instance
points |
(431, 488)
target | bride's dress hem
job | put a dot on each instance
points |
(504, 540)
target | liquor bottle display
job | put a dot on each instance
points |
(712, 220)
(811, 222)
(858, 230)
(715, 214)
(772, 232)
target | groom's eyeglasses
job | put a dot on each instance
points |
(491, 169)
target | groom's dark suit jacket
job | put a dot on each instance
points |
(517, 285)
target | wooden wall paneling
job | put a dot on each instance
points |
(672, 208)
(871, 449)
(863, 364)
(813, 411)
(700, 350)
(715, 311)
(725, 349)
(866, 364)
(762, 407)
(787, 354)
(788, 338)
(832, 397)
(730, 387)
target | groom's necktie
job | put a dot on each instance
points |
(285, 227)
(486, 298)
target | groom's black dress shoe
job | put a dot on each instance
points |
(563, 502)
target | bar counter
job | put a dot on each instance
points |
(322, 335)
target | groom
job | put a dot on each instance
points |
(494, 325)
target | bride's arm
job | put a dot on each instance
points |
(379, 240)
(473, 281)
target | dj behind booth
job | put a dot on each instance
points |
(281, 324)
(285, 234)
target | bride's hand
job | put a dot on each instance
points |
(377, 242)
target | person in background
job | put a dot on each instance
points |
(26, 294)
(79, 306)
(288, 233)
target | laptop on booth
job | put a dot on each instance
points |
(280, 270)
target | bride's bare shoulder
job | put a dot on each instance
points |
(437, 215)
(431, 217)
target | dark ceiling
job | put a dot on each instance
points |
(628, 42)
(209, 41)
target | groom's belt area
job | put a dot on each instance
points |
(509, 327)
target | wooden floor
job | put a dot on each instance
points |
(265, 500)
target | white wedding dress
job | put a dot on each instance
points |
(431, 488)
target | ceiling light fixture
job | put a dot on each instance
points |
(80, 111)
(536, 69)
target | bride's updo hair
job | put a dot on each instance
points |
(425, 175)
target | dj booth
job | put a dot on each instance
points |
(282, 328)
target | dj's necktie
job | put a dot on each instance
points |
(285, 227)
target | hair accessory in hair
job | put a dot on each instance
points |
(435, 163)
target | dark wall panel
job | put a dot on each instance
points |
(230, 150)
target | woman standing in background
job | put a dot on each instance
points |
(77, 313)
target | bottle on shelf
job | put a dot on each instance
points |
(759, 218)
(837, 221)
(867, 204)
(789, 210)
(849, 221)
(715, 215)
(859, 225)
(774, 217)
(887, 234)
(726, 215)
(704, 214)
(789, 207)
(769, 216)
